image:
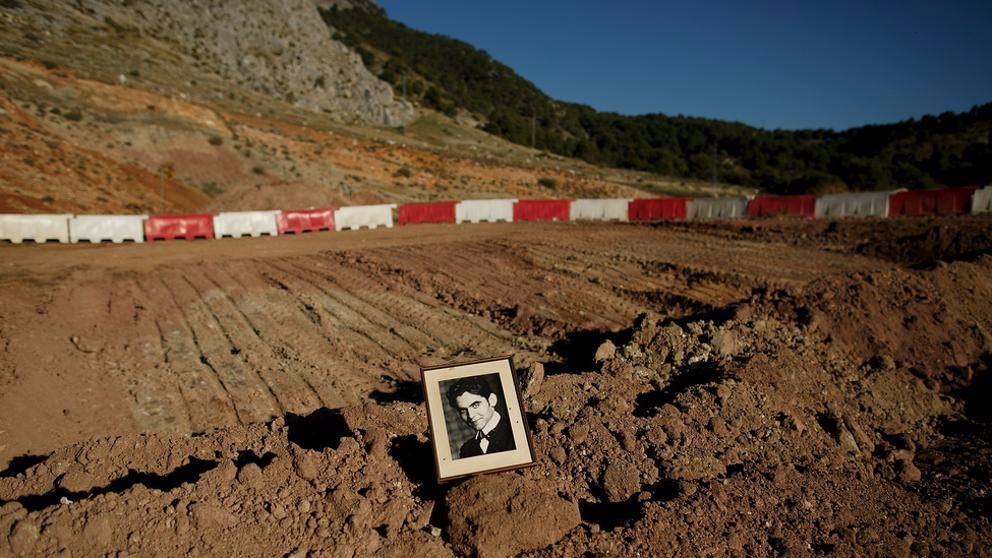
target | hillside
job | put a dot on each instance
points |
(277, 49)
(125, 109)
(452, 76)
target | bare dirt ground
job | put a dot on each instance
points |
(754, 388)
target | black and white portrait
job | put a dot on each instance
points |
(475, 416)
(476, 420)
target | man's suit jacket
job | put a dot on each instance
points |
(500, 439)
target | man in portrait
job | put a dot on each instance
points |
(480, 407)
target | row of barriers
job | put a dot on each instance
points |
(234, 224)
(140, 228)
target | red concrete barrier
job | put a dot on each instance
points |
(917, 203)
(655, 209)
(768, 206)
(171, 227)
(298, 221)
(540, 210)
(430, 212)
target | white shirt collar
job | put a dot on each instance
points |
(493, 421)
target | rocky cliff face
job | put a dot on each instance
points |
(279, 48)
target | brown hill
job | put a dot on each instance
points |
(82, 145)
(107, 108)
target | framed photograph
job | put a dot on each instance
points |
(476, 417)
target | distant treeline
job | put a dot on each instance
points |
(447, 74)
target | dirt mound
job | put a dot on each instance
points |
(910, 241)
(925, 321)
(929, 240)
(324, 481)
(740, 432)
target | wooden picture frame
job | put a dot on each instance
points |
(476, 418)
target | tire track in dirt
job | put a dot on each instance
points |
(544, 292)
(289, 393)
(394, 354)
(138, 354)
(251, 397)
(278, 327)
(303, 378)
(208, 402)
(372, 323)
(360, 299)
(590, 289)
(366, 359)
(414, 315)
(431, 287)
(332, 368)
(333, 317)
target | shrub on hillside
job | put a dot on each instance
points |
(211, 189)
(547, 182)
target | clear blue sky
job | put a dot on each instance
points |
(798, 64)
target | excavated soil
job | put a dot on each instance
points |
(769, 388)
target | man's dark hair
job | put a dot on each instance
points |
(476, 385)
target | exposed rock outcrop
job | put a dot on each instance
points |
(278, 48)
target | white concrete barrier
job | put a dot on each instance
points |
(853, 204)
(39, 228)
(369, 216)
(115, 228)
(610, 209)
(717, 208)
(981, 200)
(477, 211)
(245, 223)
